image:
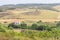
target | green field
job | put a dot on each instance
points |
(36, 31)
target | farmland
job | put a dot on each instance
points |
(31, 15)
(30, 22)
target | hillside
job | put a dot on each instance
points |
(31, 12)
(57, 7)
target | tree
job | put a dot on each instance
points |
(41, 27)
(23, 26)
(13, 25)
(34, 26)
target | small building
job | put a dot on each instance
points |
(17, 22)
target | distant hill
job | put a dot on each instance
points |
(57, 7)
(31, 12)
(41, 6)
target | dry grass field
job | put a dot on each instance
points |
(57, 7)
(31, 15)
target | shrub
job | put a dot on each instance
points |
(43, 27)
(13, 25)
(23, 26)
(34, 26)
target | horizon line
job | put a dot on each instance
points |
(29, 3)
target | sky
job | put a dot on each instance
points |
(4, 2)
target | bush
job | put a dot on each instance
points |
(13, 25)
(42, 27)
(23, 26)
(34, 26)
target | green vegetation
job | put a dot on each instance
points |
(35, 26)
(36, 31)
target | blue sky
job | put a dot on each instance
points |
(3, 2)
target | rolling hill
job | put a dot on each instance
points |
(30, 12)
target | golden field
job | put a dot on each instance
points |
(33, 15)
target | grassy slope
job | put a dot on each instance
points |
(44, 15)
